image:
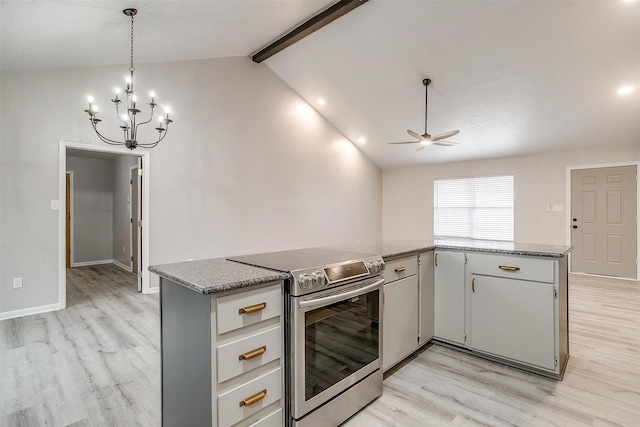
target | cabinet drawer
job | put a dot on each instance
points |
(242, 401)
(248, 353)
(513, 267)
(246, 308)
(274, 419)
(400, 268)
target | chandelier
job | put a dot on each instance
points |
(128, 117)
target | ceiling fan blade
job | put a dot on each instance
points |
(445, 135)
(421, 147)
(416, 135)
(404, 142)
(445, 143)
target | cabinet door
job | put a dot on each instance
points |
(514, 319)
(425, 281)
(400, 320)
(449, 307)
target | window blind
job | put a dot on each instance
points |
(476, 208)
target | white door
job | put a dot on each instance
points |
(449, 296)
(603, 221)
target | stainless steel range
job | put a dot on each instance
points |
(334, 331)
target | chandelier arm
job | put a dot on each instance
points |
(104, 138)
(153, 144)
(144, 123)
(118, 115)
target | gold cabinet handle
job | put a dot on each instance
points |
(253, 399)
(473, 285)
(400, 269)
(252, 308)
(508, 268)
(253, 353)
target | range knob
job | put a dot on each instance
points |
(318, 279)
(306, 281)
(373, 267)
(380, 265)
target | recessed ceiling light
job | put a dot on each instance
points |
(625, 90)
(321, 101)
(627, 1)
(361, 140)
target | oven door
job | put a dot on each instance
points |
(336, 342)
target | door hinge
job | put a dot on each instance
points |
(132, 258)
(465, 259)
(465, 338)
(555, 294)
(555, 361)
(139, 274)
(139, 171)
(131, 220)
(131, 181)
(140, 223)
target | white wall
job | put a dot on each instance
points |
(246, 167)
(93, 191)
(538, 179)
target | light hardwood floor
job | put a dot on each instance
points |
(97, 363)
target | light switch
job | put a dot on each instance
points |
(558, 208)
(55, 205)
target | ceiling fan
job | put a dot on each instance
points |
(425, 139)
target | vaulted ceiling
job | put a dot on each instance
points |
(515, 77)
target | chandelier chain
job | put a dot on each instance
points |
(131, 67)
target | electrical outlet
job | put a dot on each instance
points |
(17, 282)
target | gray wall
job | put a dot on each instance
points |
(93, 185)
(247, 166)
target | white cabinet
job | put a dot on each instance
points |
(400, 315)
(426, 296)
(449, 296)
(514, 319)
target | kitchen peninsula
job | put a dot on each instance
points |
(499, 300)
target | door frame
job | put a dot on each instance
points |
(568, 204)
(62, 169)
(71, 234)
(133, 226)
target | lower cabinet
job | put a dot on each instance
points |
(400, 310)
(426, 296)
(449, 294)
(222, 356)
(514, 319)
(400, 320)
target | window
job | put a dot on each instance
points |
(476, 208)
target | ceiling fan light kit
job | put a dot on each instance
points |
(425, 139)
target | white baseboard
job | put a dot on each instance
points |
(154, 290)
(88, 263)
(122, 266)
(29, 311)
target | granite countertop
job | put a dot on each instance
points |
(218, 275)
(396, 248)
(211, 276)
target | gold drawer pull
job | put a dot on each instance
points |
(253, 399)
(508, 268)
(253, 308)
(400, 269)
(253, 353)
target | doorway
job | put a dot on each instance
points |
(603, 221)
(142, 207)
(135, 218)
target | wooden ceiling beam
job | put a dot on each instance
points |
(325, 17)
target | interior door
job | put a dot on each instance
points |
(67, 205)
(603, 221)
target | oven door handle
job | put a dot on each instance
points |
(339, 297)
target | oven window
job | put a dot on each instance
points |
(339, 340)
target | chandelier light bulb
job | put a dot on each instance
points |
(134, 98)
(90, 99)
